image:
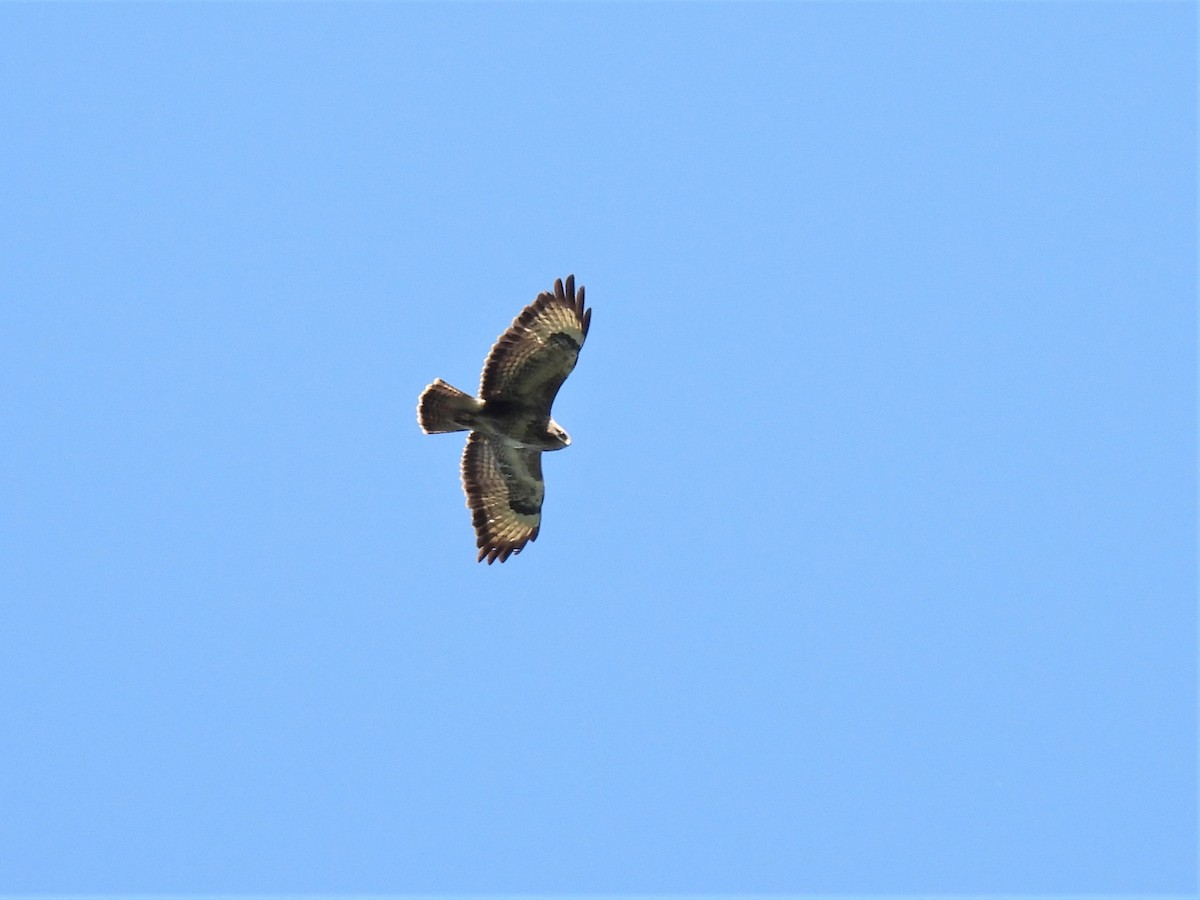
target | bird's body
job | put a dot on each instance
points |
(510, 421)
(446, 408)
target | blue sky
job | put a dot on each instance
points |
(872, 567)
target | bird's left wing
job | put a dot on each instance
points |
(504, 489)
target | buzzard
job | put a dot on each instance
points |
(510, 420)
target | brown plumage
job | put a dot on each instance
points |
(510, 421)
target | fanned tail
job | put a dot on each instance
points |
(443, 408)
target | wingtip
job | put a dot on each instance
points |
(576, 299)
(495, 554)
(492, 552)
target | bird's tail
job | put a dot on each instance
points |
(444, 408)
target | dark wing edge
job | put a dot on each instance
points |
(530, 361)
(504, 489)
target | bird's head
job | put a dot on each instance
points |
(558, 434)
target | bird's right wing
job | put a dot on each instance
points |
(531, 360)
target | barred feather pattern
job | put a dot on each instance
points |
(504, 489)
(510, 421)
(534, 356)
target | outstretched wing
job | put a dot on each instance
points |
(531, 360)
(504, 490)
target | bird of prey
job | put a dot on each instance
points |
(510, 420)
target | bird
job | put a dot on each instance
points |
(509, 422)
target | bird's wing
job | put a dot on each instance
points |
(504, 489)
(531, 360)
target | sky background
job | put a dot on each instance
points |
(872, 567)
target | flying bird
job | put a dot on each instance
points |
(510, 420)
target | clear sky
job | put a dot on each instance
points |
(872, 567)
